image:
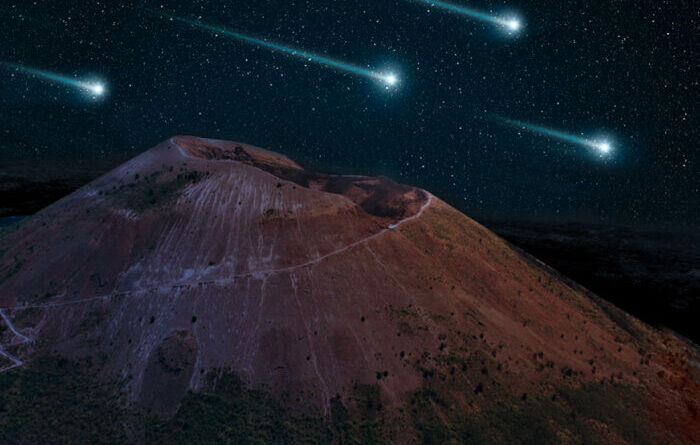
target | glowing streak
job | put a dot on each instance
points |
(511, 24)
(602, 146)
(388, 78)
(96, 89)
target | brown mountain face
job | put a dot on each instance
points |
(345, 294)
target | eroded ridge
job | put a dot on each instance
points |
(229, 280)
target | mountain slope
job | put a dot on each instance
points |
(204, 257)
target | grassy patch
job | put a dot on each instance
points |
(234, 413)
(570, 418)
(53, 400)
(613, 405)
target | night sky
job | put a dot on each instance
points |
(623, 71)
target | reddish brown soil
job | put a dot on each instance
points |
(200, 255)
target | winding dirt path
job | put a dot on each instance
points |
(24, 339)
(231, 278)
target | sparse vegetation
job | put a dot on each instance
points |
(526, 420)
(146, 194)
(53, 400)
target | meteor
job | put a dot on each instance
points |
(601, 146)
(94, 88)
(510, 24)
(389, 79)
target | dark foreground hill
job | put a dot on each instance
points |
(209, 291)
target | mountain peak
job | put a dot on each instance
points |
(203, 256)
(218, 150)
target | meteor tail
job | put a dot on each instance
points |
(323, 60)
(511, 24)
(602, 146)
(94, 88)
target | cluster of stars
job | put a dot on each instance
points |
(596, 71)
(512, 24)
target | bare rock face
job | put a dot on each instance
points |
(202, 255)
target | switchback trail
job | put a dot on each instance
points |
(223, 281)
(24, 339)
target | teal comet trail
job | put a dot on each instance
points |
(602, 146)
(511, 24)
(94, 88)
(387, 78)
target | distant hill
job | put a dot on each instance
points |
(653, 274)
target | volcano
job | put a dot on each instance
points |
(353, 299)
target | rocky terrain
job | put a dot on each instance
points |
(213, 278)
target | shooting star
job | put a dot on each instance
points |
(510, 24)
(603, 147)
(95, 89)
(387, 78)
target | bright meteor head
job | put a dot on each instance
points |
(510, 25)
(513, 25)
(93, 88)
(97, 89)
(389, 79)
(604, 147)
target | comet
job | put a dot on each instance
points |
(93, 88)
(601, 146)
(509, 24)
(387, 78)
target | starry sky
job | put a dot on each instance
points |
(626, 71)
